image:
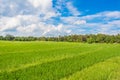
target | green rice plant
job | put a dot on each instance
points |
(54, 60)
(106, 70)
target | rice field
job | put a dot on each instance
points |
(59, 61)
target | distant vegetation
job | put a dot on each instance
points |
(91, 38)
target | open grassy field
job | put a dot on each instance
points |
(59, 61)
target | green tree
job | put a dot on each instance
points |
(9, 37)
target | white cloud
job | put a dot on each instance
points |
(26, 25)
(73, 20)
(35, 18)
(43, 4)
(72, 9)
(79, 22)
(112, 14)
(7, 23)
(115, 23)
(103, 15)
(112, 27)
(60, 4)
(42, 8)
(13, 7)
(53, 30)
(27, 29)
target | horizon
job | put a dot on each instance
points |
(61, 35)
(59, 17)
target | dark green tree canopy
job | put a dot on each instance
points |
(91, 38)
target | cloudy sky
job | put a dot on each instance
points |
(59, 17)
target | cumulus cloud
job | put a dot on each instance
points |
(28, 17)
(73, 10)
(27, 29)
(103, 15)
(45, 4)
(30, 25)
(14, 7)
(7, 23)
(73, 20)
(80, 22)
(44, 8)
(112, 27)
(56, 30)
(40, 18)
(19, 20)
(107, 22)
(29, 7)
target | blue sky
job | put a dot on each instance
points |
(59, 17)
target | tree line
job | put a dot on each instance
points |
(90, 38)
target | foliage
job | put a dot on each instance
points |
(91, 38)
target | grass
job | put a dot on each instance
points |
(100, 71)
(59, 61)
